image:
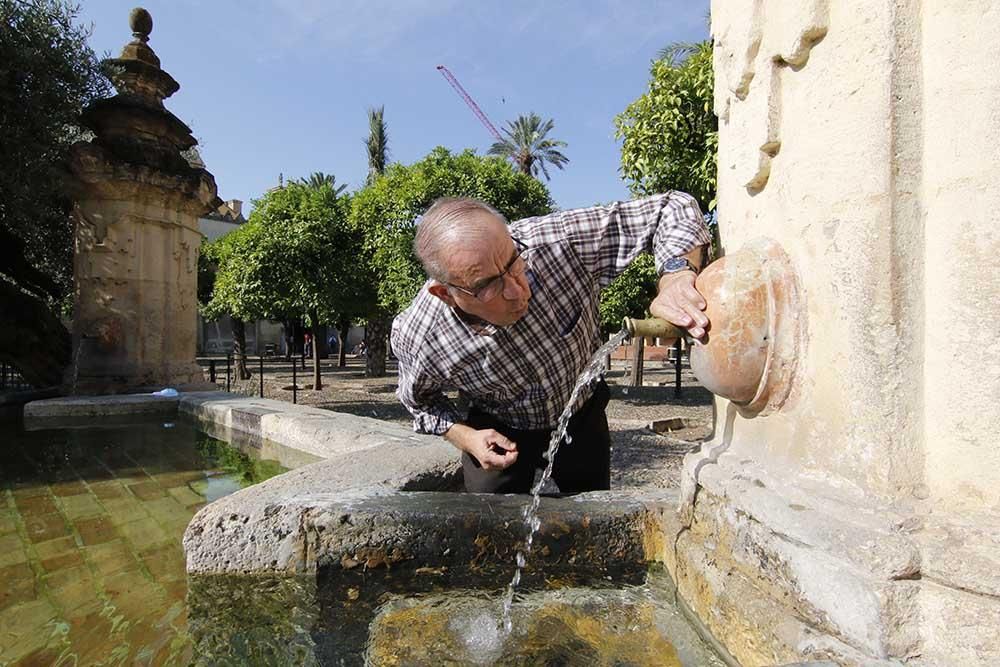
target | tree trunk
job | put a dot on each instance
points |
(376, 340)
(32, 338)
(345, 328)
(289, 334)
(320, 334)
(317, 378)
(240, 349)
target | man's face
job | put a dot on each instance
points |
(473, 263)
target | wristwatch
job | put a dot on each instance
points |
(676, 265)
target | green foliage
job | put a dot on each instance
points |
(527, 145)
(386, 211)
(318, 179)
(670, 133)
(628, 295)
(296, 256)
(670, 143)
(48, 74)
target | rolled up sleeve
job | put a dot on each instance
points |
(609, 238)
(420, 390)
(433, 412)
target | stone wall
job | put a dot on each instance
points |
(855, 523)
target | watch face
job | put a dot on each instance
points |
(675, 264)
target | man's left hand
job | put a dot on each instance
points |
(679, 302)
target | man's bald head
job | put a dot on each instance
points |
(449, 223)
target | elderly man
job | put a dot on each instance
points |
(509, 318)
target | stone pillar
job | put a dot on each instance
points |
(137, 206)
(859, 522)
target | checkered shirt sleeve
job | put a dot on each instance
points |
(608, 238)
(421, 386)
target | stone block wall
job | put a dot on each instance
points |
(854, 524)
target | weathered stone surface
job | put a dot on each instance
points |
(473, 536)
(962, 552)
(757, 550)
(878, 479)
(136, 206)
(959, 628)
(365, 546)
(45, 413)
(319, 432)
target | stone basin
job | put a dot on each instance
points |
(381, 577)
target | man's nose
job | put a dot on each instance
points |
(514, 287)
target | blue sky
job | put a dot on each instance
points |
(283, 86)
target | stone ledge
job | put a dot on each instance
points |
(319, 432)
(44, 413)
(780, 569)
(23, 396)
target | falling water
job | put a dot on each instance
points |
(595, 370)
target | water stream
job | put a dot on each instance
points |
(595, 370)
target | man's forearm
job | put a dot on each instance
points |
(458, 435)
(697, 256)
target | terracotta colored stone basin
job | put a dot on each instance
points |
(749, 354)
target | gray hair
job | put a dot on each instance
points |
(447, 220)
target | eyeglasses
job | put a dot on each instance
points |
(492, 287)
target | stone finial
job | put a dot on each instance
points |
(141, 22)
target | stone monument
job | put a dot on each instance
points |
(859, 519)
(136, 218)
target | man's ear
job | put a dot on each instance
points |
(440, 290)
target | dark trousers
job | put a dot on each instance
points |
(583, 464)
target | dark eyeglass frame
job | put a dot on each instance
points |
(519, 249)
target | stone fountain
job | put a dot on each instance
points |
(136, 226)
(847, 507)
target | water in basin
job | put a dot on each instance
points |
(91, 522)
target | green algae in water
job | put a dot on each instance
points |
(248, 470)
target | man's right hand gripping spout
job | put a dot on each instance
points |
(492, 449)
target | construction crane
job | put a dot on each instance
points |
(450, 78)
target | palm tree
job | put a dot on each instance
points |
(378, 323)
(678, 52)
(528, 147)
(318, 179)
(377, 143)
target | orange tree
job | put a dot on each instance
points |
(387, 210)
(669, 142)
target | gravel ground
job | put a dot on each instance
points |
(640, 458)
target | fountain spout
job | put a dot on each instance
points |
(652, 327)
(750, 352)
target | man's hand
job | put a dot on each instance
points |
(492, 449)
(680, 303)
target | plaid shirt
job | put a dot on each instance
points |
(524, 374)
